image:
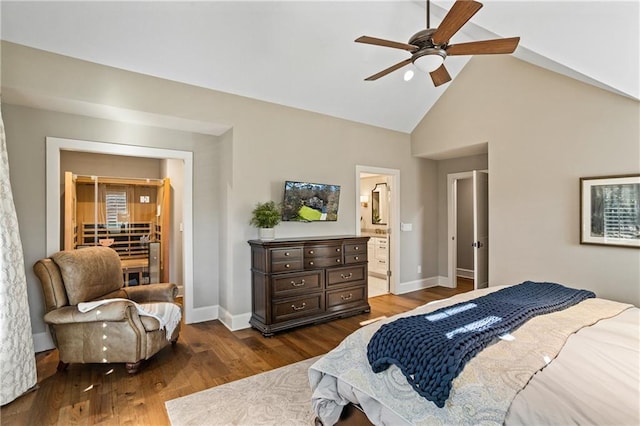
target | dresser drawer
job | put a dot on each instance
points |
(291, 284)
(323, 251)
(298, 307)
(292, 265)
(338, 276)
(286, 254)
(339, 298)
(322, 262)
(355, 258)
(355, 248)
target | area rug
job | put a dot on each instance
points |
(277, 397)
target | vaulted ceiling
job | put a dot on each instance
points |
(302, 53)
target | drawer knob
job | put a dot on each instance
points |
(310, 251)
(338, 249)
(286, 253)
(295, 284)
(346, 277)
(299, 308)
(311, 263)
(338, 260)
(343, 297)
(356, 258)
(287, 266)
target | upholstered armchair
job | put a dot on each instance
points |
(105, 331)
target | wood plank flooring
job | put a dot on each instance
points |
(207, 354)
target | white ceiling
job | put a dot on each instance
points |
(301, 53)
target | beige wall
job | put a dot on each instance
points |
(267, 144)
(544, 131)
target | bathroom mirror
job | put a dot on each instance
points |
(379, 205)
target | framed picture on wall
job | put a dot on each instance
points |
(610, 210)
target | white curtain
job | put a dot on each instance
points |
(17, 358)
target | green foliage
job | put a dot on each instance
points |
(265, 215)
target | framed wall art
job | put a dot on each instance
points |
(610, 210)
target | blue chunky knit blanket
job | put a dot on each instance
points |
(432, 349)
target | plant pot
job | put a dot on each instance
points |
(266, 234)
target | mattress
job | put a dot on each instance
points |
(580, 365)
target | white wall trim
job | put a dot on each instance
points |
(394, 236)
(206, 313)
(234, 322)
(53, 148)
(409, 286)
(464, 273)
(42, 342)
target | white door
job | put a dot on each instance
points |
(480, 229)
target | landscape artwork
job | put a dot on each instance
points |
(310, 202)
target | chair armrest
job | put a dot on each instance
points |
(115, 311)
(163, 292)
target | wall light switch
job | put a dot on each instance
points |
(406, 226)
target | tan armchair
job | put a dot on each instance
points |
(112, 333)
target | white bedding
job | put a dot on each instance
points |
(488, 391)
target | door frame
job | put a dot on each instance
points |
(452, 237)
(394, 222)
(53, 148)
(452, 224)
(481, 241)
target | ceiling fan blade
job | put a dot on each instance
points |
(389, 70)
(386, 43)
(440, 76)
(460, 13)
(484, 47)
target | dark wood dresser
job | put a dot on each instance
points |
(307, 280)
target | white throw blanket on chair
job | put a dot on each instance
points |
(167, 314)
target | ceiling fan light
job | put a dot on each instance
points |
(429, 62)
(408, 75)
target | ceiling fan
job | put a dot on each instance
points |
(430, 47)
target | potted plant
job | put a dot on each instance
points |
(264, 217)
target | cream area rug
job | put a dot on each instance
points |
(277, 397)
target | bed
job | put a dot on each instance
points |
(579, 365)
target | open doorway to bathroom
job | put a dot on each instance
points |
(377, 197)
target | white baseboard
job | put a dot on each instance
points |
(234, 322)
(410, 286)
(464, 273)
(206, 313)
(42, 342)
(446, 282)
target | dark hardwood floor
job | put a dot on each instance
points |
(207, 354)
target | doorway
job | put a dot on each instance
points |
(377, 217)
(54, 146)
(468, 236)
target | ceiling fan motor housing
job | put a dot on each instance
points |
(423, 40)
